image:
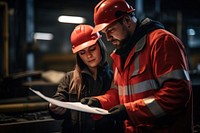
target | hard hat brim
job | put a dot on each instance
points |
(99, 27)
(85, 45)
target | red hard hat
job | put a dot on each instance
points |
(105, 12)
(82, 37)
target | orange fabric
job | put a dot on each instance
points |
(109, 100)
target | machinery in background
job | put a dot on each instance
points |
(23, 111)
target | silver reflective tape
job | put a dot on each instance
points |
(136, 66)
(153, 106)
(176, 74)
(138, 88)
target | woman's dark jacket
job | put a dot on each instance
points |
(80, 122)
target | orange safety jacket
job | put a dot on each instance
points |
(154, 86)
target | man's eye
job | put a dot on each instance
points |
(109, 31)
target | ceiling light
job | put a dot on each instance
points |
(43, 36)
(191, 32)
(71, 19)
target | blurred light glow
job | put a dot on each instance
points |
(71, 19)
(191, 32)
(43, 36)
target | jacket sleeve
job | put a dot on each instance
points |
(170, 70)
(110, 98)
(62, 94)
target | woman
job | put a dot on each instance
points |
(91, 77)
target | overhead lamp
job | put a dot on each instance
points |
(71, 19)
(191, 32)
(43, 36)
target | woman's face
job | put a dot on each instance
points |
(91, 55)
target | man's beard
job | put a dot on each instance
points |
(118, 46)
(124, 42)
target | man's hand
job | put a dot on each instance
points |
(56, 109)
(93, 102)
(118, 113)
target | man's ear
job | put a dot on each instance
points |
(127, 20)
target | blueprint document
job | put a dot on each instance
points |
(72, 105)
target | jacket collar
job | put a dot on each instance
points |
(137, 41)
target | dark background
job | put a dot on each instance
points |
(29, 16)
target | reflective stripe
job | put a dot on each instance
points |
(138, 47)
(176, 74)
(152, 84)
(136, 66)
(153, 106)
(138, 88)
(140, 44)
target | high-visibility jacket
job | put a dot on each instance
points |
(154, 86)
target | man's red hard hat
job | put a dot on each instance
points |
(105, 12)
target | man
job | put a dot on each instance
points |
(150, 73)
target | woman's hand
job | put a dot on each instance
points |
(56, 109)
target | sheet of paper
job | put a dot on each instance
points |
(72, 105)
